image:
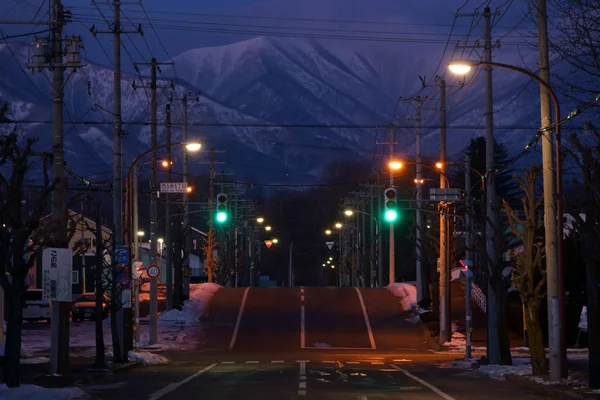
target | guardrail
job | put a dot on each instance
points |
(476, 291)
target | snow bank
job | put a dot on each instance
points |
(29, 392)
(406, 294)
(147, 358)
(192, 309)
(520, 367)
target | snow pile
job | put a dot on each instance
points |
(29, 392)
(35, 360)
(461, 364)
(520, 367)
(193, 308)
(147, 358)
(406, 294)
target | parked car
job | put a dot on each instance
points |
(35, 308)
(85, 307)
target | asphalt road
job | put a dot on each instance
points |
(318, 343)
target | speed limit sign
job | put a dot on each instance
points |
(153, 271)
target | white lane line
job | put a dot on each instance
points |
(301, 290)
(251, 362)
(352, 362)
(376, 363)
(277, 362)
(302, 332)
(424, 383)
(367, 322)
(239, 319)
(172, 386)
(302, 380)
(301, 298)
(227, 362)
(328, 362)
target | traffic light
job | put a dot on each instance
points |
(390, 201)
(221, 207)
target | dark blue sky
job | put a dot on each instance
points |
(212, 23)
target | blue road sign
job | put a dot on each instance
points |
(122, 255)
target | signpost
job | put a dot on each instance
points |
(445, 194)
(173, 187)
(57, 274)
(329, 245)
(153, 271)
(268, 243)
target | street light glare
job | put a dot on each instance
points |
(260, 220)
(338, 225)
(275, 240)
(460, 67)
(141, 233)
(328, 231)
(395, 164)
(193, 146)
(267, 228)
(188, 189)
(160, 240)
(349, 212)
(439, 165)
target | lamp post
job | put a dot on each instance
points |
(349, 213)
(553, 219)
(190, 146)
(339, 226)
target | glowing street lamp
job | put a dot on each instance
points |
(141, 233)
(338, 225)
(395, 165)
(260, 220)
(268, 228)
(275, 240)
(328, 231)
(349, 213)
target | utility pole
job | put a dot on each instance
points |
(445, 322)
(290, 267)
(118, 220)
(392, 271)
(469, 254)
(493, 220)
(50, 56)
(168, 225)
(556, 328)
(154, 187)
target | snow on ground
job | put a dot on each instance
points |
(520, 367)
(29, 392)
(177, 330)
(193, 308)
(147, 358)
(406, 294)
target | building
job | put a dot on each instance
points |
(83, 244)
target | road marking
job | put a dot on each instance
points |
(251, 362)
(367, 322)
(302, 333)
(302, 380)
(239, 319)
(424, 383)
(277, 361)
(376, 362)
(328, 362)
(301, 298)
(172, 386)
(352, 362)
(301, 290)
(402, 360)
(342, 348)
(227, 362)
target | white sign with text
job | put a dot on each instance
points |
(57, 274)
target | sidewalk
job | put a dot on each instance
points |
(514, 318)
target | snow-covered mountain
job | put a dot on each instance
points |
(262, 81)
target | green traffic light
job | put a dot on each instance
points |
(221, 217)
(391, 215)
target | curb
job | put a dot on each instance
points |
(116, 368)
(431, 342)
(549, 390)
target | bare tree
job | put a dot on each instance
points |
(529, 273)
(586, 216)
(211, 264)
(20, 239)
(577, 44)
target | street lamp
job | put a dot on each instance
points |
(268, 228)
(260, 220)
(190, 146)
(275, 240)
(328, 231)
(553, 225)
(379, 261)
(338, 225)
(395, 165)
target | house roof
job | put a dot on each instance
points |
(86, 219)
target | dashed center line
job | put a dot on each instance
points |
(302, 380)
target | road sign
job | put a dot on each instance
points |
(269, 243)
(329, 244)
(445, 194)
(153, 271)
(126, 298)
(57, 274)
(173, 187)
(122, 255)
(583, 319)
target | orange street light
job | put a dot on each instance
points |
(395, 165)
